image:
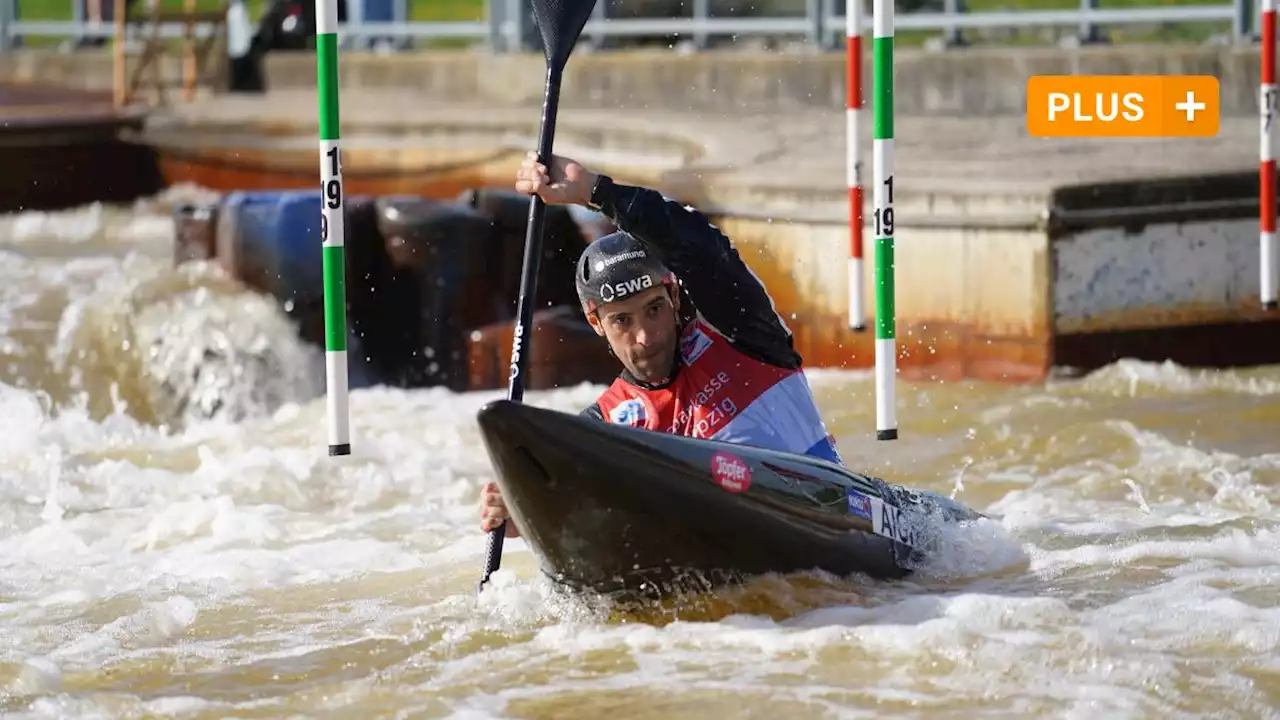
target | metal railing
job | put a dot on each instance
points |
(509, 24)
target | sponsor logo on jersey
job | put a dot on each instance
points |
(628, 412)
(693, 345)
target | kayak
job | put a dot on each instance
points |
(619, 510)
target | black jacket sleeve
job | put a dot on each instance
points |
(592, 411)
(725, 291)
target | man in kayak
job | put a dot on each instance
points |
(704, 353)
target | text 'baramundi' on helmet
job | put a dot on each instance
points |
(616, 267)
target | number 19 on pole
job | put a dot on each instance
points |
(883, 219)
(333, 186)
(884, 215)
(332, 229)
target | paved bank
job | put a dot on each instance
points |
(787, 166)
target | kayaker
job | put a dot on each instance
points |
(704, 352)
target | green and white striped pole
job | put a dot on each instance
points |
(332, 230)
(882, 156)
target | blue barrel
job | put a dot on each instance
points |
(228, 241)
(271, 242)
(299, 257)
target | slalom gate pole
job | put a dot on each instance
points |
(1269, 261)
(882, 156)
(853, 162)
(332, 230)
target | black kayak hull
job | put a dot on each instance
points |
(610, 508)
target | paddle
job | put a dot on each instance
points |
(560, 23)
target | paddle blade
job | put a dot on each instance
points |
(560, 22)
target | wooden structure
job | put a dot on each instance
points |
(62, 148)
(200, 56)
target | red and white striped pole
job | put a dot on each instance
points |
(853, 166)
(1269, 262)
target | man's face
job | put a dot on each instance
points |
(643, 331)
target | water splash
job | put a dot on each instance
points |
(182, 345)
(1134, 378)
(160, 563)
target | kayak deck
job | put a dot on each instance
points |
(610, 508)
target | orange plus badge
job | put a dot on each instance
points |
(1133, 106)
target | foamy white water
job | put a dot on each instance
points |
(175, 541)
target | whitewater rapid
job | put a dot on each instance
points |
(175, 541)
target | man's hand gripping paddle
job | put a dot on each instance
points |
(560, 22)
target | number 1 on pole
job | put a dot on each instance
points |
(332, 229)
(884, 210)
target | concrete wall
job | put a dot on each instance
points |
(1167, 274)
(1185, 291)
(1009, 304)
(86, 69)
(952, 319)
(972, 81)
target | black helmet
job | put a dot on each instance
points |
(617, 266)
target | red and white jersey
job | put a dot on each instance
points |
(722, 394)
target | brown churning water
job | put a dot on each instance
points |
(157, 563)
